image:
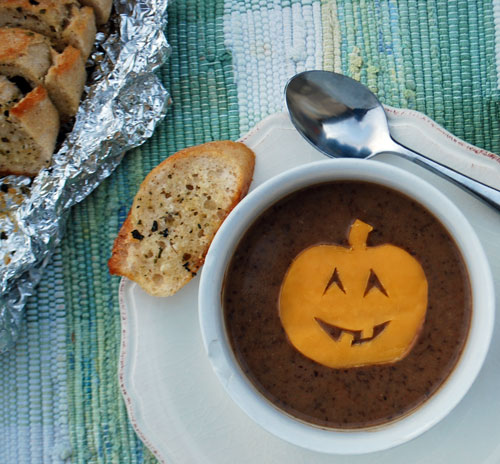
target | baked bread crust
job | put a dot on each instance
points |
(28, 130)
(63, 21)
(43, 48)
(80, 32)
(176, 212)
(29, 55)
(65, 81)
(24, 53)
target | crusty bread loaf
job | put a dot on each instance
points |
(65, 22)
(28, 130)
(176, 212)
(29, 55)
(43, 48)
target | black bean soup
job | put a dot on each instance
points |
(354, 397)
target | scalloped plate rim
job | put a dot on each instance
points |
(255, 135)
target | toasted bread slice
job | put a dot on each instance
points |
(63, 21)
(29, 55)
(176, 212)
(28, 130)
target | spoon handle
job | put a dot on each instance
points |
(485, 192)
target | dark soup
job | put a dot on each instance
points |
(347, 304)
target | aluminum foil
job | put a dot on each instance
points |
(123, 104)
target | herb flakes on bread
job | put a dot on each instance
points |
(175, 214)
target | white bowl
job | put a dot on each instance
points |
(252, 402)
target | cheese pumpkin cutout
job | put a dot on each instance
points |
(353, 306)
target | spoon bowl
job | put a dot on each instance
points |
(336, 114)
(343, 119)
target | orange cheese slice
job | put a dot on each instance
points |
(354, 306)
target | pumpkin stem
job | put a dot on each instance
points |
(359, 233)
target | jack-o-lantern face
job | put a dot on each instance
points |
(350, 307)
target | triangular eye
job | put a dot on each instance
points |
(334, 279)
(374, 282)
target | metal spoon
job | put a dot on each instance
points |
(343, 118)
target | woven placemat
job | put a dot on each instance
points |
(59, 395)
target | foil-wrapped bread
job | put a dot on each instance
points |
(28, 129)
(43, 48)
(124, 104)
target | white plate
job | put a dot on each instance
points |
(174, 400)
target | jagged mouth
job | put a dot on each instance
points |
(335, 332)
